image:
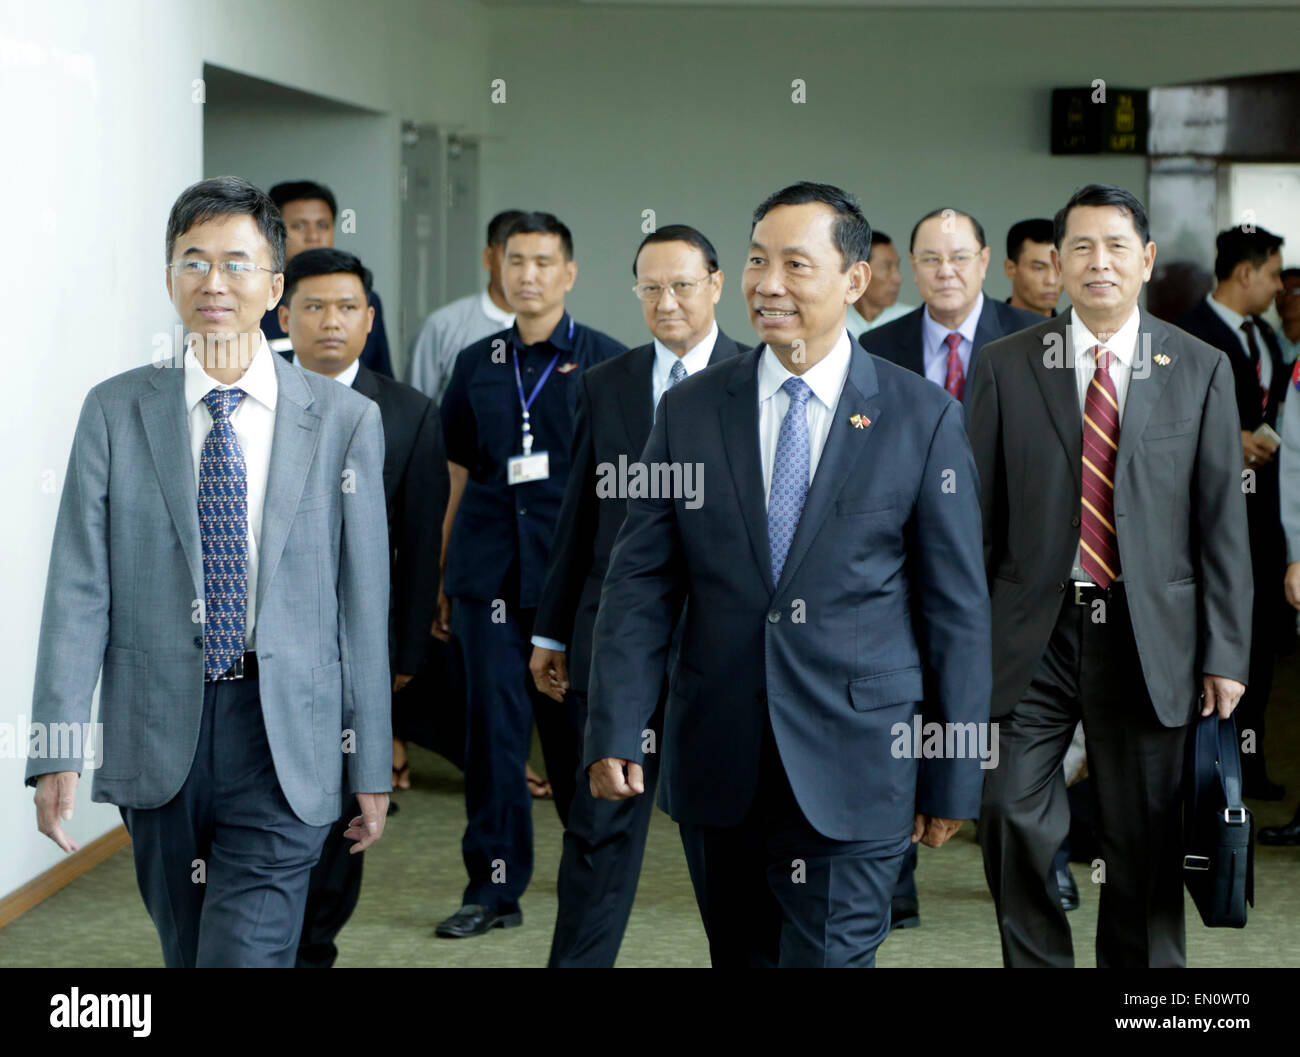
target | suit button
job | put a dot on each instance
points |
(774, 616)
(1074, 522)
(198, 642)
(523, 510)
(1061, 586)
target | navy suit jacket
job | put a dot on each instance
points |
(613, 418)
(882, 603)
(1204, 323)
(901, 341)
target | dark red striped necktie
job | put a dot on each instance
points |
(1098, 545)
(1248, 326)
(954, 378)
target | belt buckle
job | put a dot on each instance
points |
(1195, 862)
(1240, 812)
(235, 671)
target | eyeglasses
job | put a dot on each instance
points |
(931, 262)
(682, 289)
(236, 271)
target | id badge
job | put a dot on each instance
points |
(520, 469)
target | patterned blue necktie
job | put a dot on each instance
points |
(789, 475)
(223, 531)
(677, 373)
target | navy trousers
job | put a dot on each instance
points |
(604, 843)
(773, 892)
(501, 705)
(223, 865)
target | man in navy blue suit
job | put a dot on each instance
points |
(854, 590)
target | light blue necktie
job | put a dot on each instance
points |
(789, 475)
(223, 531)
(677, 373)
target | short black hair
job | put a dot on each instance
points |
(1103, 195)
(310, 263)
(227, 196)
(851, 233)
(1039, 229)
(979, 228)
(536, 223)
(879, 238)
(680, 233)
(1290, 273)
(498, 225)
(302, 190)
(1237, 244)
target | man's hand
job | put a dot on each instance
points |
(933, 832)
(441, 629)
(1221, 693)
(1256, 452)
(608, 783)
(400, 681)
(1292, 584)
(56, 793)
(368, 826)
(550, 675)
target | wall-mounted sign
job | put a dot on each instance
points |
(1099, 120)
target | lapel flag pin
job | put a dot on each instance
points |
(1161, 359)
(565, 368)
(859, 421)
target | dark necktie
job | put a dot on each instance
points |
(1098, 545)
(790, 467)
(1252, 343)
(223, 531)
(955, 379)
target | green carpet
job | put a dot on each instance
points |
(414, 877)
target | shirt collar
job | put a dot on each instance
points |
(1123, 343)
(489, 308)
(1233, 319)
(695, 358)
(346, 376)
(257, 381)
(825, 378)
(559, 338)
(936, 333)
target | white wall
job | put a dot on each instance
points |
(100, 135)
(687, 111)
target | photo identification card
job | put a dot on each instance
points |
(520, 469)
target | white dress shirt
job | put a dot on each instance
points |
(1234, 321)
(825, 379)
(254, 424)
(1123, 343)
(934, 342)
(695, 359)
(346, 376)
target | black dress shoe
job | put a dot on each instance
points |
(393, 809)
(904, 915)
(1281, 835)
(1066, 888)
(474, 920)
(1260, 788)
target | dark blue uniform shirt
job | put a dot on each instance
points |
(497, 523)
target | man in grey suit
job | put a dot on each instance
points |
(1109, 454)
(221, 552)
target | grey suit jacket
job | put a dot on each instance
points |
(126, 571)
(1179, 509)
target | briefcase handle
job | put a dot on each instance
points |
(1217, 753)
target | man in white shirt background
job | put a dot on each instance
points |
(879, 304)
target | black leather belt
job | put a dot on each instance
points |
(244, 667)
(1086, 593)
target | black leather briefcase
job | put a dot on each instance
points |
(1218, 831)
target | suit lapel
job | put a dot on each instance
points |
(739, 417)
(1145, 385)
(637, 398)
(167, 430)
(913, 357)
(989, 328)
(1060, 392)
(292, 446)
(846, 445)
